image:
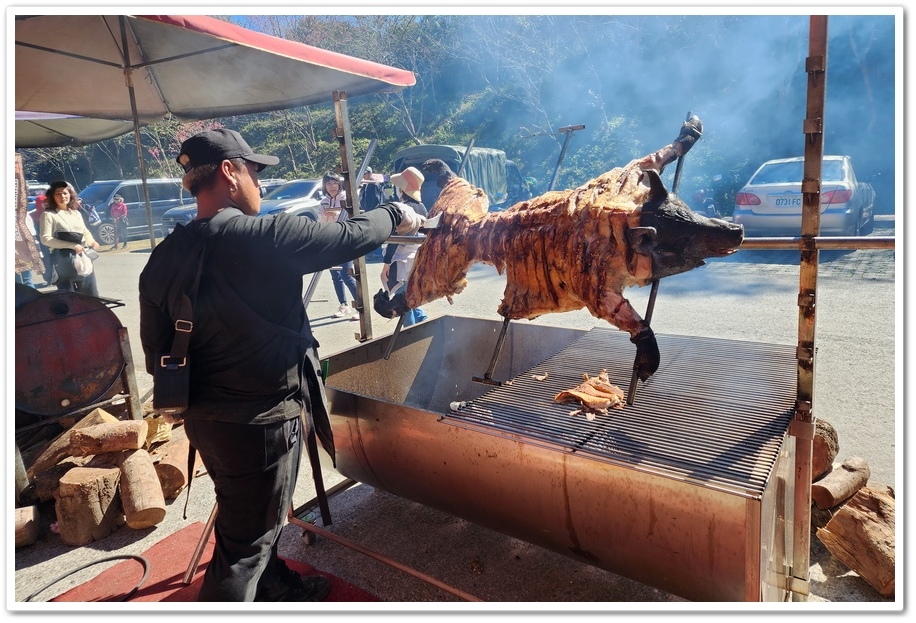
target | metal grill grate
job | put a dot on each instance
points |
(715, 413)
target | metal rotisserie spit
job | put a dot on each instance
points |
(687, 490)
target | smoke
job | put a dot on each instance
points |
(744, 75)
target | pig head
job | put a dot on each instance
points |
(677, 238)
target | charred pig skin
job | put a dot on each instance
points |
(566, 250)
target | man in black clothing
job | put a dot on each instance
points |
(255, 373)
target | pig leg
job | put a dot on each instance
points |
(691, 131)
(618, 311)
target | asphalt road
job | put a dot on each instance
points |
(751, 295)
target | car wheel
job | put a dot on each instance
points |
(869, 226)
(106, 233)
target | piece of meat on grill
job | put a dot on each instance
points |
(596, 393)
(566, 250)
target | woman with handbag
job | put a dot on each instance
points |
(64, 231)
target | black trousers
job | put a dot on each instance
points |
(254, 470)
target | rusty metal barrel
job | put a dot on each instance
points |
(68, 355)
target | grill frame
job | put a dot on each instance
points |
(697, 539)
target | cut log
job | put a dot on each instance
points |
(861, 536)
(60, 447)
(26, 525)
(841, 483)
(825, 450)
(171, 461)
(141, 493)
(87, 505)
(126, 435)
(47, 481)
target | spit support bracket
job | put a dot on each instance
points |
(487, 378)
(800, 586)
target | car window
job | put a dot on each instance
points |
(131, 193)
(779, 173)
(98, 192)
(164, 192)
(292, 190)
(792, 172)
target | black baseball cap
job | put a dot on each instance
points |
(214, 146)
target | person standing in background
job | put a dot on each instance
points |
(332, 210)
(118, 211)
(64, 231)
(398, 260)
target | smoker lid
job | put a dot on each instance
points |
(715, 413)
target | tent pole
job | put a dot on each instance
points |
(141, 162)
(345, 138)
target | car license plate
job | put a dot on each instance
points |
(788, 201)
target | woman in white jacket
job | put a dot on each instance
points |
(64, 231)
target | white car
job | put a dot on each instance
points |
(300, 197)
(770, 204)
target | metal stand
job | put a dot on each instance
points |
(488, 375)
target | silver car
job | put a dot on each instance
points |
(770, 204)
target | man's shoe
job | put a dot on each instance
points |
(311, 588)
(300, 588)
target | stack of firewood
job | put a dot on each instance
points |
(103, 473)
(855, 522)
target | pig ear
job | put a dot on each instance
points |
(657, 190)
(641, 239)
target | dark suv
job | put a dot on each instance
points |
(164, 194)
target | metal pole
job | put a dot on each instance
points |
(464, 159)
(803, 425)
(141, 162)
(568, 131)
(346, 150)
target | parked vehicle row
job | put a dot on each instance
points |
(298, 197)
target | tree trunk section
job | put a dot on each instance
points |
(87, 505)
(841, 484)
(47, 481)
(861, 536)
(825, 450)
(141, 493)
(26, 525)
(59, 449)
(126, 435)
(171, 461)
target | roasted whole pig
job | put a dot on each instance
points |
(569, 249)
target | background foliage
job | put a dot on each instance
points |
(511, 81)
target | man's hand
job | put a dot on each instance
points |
(411, 222)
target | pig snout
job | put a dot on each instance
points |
(683, 239)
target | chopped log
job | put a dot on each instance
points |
(141, 493)
(841, 483)
(171, 461)
(87, 505)
(826, 448)
(126, 435)
(861, 536)
(47, 481)
(26, 525)
(60, 447)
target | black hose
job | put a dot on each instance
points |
(139, 559)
